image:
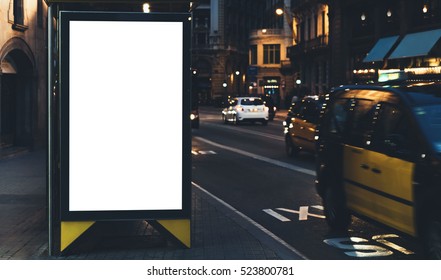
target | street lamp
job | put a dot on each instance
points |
(284, 10)
(146, 8)
(237, 82)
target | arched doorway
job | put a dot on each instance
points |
(17, 91)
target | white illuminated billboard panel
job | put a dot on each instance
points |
(125, 84)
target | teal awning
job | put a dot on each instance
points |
(380, 49)
(416, 44)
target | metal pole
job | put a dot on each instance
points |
(50, 84)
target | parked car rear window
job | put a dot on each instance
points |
(251, 101)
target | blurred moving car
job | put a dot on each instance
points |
(300, 125)
(379, 157)
(194, 117)
(243, 109)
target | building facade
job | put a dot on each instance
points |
(392, 35)
(23, 71)
(220, 46)
(269, 71)
(310, 54)
(354, 41)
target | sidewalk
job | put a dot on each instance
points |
(218, 232)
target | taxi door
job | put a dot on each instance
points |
(391, 169)
(304, 126)
(356, 159)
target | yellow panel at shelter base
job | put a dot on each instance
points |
(70, 231)
(181, 229)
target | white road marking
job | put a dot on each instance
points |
(261, 158)
(319, 207)
(276, 215)
(207, 152)
(382, 239)
(303, 213)
(195, 152)
(358, 250)
(248, 219)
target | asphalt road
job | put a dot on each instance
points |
(246, 167)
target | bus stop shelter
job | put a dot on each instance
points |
(109, 156)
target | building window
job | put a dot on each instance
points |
(308, 29)
(19, 16)
(40, 13)
(271, 54)
(253, 54)
(18, 12)
(202, 39)
(316, 26)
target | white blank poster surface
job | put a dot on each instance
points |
(125, 115)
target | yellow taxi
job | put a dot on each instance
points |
(300, 125)
(379, 156)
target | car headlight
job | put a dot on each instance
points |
(193, 116)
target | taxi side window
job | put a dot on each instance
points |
(361, 124)
(336, 122)
(394, 134)
(311, 112)
(294, 109)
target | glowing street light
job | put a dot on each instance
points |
(146, 8)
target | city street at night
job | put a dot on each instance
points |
(246, 166)
(268, 134)
(250, 201)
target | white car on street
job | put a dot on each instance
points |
(243, 109)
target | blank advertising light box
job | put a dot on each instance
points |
(123, 81)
